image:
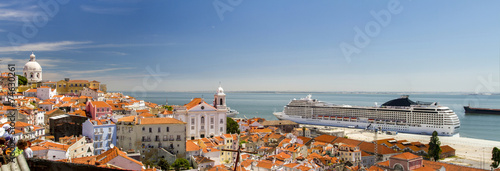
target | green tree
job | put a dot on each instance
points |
(21, 80)
(495, 156)
(149, 163)
(434, 147)
(232, 126)
(169, 108)
(163, 164)
(180, 163)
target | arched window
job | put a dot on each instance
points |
(25, 75)
(221, 102)
(31, 74)
(38, 75)
(202, 119)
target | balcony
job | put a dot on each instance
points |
(165, 139)
(146, 140)
(178, 139)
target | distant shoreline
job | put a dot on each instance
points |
(325, 92)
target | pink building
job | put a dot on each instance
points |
(97, 109)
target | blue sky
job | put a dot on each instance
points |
(259, 45)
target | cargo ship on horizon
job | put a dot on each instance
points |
(473, 110)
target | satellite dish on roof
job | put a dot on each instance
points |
(111, 146)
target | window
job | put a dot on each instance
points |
(220, 129)
(168, 130)
(202, 127)
(221, 120)
(178, 137)
(143, 128)
(202, 120)
(211, 120)
(150, 130)
(159, 129)
(192, 121)
(71, 85)
(109, 129)
(192, 127)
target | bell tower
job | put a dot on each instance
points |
(219, 97)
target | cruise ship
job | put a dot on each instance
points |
(399, 115)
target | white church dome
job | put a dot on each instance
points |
(32, 70)
(32, 66)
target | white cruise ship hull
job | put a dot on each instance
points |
(444, 130)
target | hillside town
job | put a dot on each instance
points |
(80, 122)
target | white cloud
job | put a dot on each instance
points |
(45, 46)
(102, 10)
(98, 70)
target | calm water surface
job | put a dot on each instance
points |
(264, 104)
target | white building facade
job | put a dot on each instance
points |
(204, 120)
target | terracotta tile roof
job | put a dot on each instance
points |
(325, 138)
(384, 163)
(438, 165)
(196, 102)
(291, 165)
(46, 103)
(406, 156)
(53, 145)
(111, 154)
(209, 149)
(99, 104)
(375, 168)
(8, 108)
(168, 112)
(19, 124)
(90, 160)
(424, 169)
(446, 149)
(147, 115)
(304, 168)
(201, 159)
(265, 164)
(370, 148)
(151, 121)
(38, 148)
(191, 146)
(364, 154)
(347, 141)
(127, 119)
(246, 163)
(304, 139)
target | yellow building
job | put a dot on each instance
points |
(68, 86)
(50, 84)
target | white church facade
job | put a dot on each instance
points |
(203, 120)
